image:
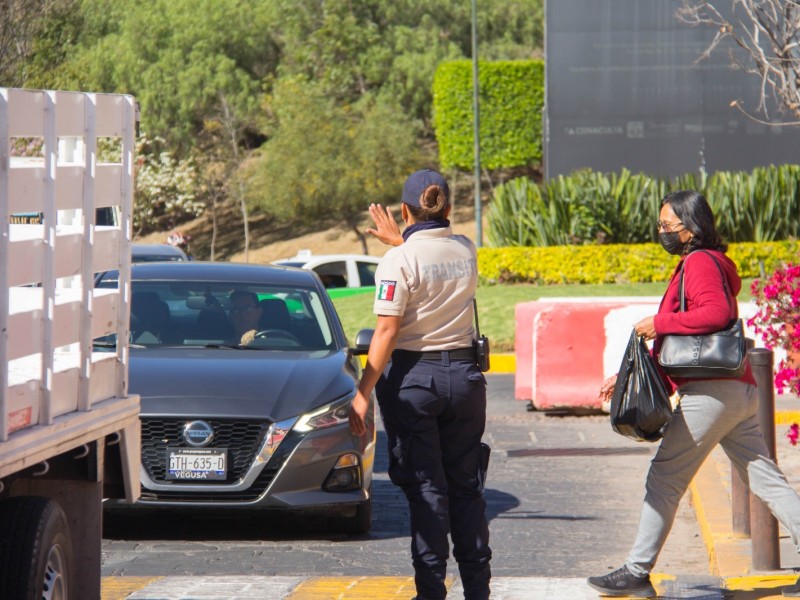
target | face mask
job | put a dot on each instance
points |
(672, 242)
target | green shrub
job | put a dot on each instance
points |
(615, 263)
(511, 99)
(587, 207)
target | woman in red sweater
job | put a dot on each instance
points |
(711, 411)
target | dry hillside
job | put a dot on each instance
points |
(269, 242)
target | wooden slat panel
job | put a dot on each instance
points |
(108, 182)
(69, 114)
(25, 110)
(26, 185)
(106, 256)
(110, 116)
(104, 312)
(25, 259)
(68, 253)
(102, 383)
(69, 187)
(26, 331)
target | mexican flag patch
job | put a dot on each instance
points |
(386, 290)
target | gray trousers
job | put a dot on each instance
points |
(710, 413)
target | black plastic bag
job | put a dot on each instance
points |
(640, 407)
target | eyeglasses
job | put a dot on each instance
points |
(236, 310)
(668, 227)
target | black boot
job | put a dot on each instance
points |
(623, 583)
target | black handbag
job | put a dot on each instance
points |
(722, 354)
(640, 408)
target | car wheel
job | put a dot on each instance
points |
(35, 549)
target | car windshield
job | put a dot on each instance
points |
(226, 314)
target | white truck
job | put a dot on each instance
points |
(69, 430)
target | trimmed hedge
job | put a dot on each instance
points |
(615, 263)
(511, 100)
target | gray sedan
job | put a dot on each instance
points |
(245, 377)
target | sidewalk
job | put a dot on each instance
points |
(730, 554)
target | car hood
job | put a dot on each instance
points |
(226, 383)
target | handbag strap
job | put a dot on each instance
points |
(728, 293)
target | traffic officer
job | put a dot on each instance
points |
(432, 396)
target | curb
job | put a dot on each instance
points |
(730, 554)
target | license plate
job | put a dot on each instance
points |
(205, 464)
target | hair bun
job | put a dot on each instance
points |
(432, 196)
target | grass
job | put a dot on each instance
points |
(496, 305)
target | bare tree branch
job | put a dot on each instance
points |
(767, 35)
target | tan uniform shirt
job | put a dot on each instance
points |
(429, 281)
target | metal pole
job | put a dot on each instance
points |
(763, 526)
(476, 128)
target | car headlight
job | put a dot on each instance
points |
(327, 416)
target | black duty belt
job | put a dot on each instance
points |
(456, 354)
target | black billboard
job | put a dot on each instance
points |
(623, 89)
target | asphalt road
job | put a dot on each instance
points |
(563, 495)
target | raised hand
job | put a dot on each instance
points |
(386, 228)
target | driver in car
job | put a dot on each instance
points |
(245, 313)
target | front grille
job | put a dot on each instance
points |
(253, 492)
(241, 438)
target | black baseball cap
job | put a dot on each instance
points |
(418, 182)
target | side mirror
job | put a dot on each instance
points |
(363, 340)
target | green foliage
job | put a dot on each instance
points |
(511, 99)
(521, 215)
(166, 188)
(614, 263)
(394, 46)
(360, 154)
(763, 205)
(588, 207)
(184, 60)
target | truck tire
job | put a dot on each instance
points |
(35, 549)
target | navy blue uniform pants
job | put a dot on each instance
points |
(434, 413)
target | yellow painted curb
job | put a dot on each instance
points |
(728, 554)
(787, 417)
(356, 588)
(119, 588)
(503, 363)
(755, 586)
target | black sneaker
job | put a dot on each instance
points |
(792, 591)
(623, 583)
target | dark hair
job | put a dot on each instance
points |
(432, 204)
(244, 294)
(694, 212)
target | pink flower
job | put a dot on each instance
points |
(793, 434)
(777, 321)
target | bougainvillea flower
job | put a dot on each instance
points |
(793, 434)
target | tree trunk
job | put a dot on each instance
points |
(361, 238)
(245, 220)
(213, 226)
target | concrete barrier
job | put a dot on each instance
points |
(566, 347)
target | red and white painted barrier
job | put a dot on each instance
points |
(566, 347)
